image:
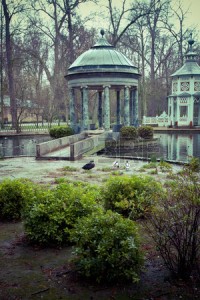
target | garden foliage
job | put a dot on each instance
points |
(194, 164)
(175, 226)
(129, 132)
(14, 195)
(131, 196)
(50, 219)
(60, 131)
(107, 247)
(145, 132)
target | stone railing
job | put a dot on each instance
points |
(161, 121)
(87, 146)
(57, 144)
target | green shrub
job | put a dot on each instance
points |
(132, 197)
(129, 132)
(145, 132)
(153, 158)
(60, 131)
(107, 247)
(174, 226)
(194, 164)
(14, 194)
(165, 166)
(51, 217)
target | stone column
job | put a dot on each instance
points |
(191, 112)
(85, 116)
(100, 110)
(106, 108)
(126, 106)
(177, 112)
(118, 108)
(198, 123)
(132, 98)
(169, 112)
(135, 108)
(172, 111)
(72, 108)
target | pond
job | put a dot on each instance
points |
(178, 147)
(173, 147)
(20, 145)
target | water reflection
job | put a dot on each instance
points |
(179, 147)
(20, 146)
(175, 147)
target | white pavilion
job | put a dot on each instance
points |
(184, 102)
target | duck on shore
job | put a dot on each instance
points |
(89, 165)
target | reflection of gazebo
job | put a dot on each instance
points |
(102, 68)
(184, 103)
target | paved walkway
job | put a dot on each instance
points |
(64, 152)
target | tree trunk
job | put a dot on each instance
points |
(13, 103)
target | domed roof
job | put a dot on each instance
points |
(191, 66)
(102, 57)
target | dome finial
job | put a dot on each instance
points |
(102, 32)
(190, 42)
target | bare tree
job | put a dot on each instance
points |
(10, 9)
(179, 32)
(122, 19)
(59, 33)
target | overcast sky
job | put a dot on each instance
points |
(193, 17)
(194, 12)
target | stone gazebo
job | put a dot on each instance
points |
(184, 102)
(102, 68)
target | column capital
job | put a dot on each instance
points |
(107, 86)
(133, 88)
(84, 87)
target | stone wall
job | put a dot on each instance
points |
(88, 146)
(53, 145)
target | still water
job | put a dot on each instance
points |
(20, 145)
(173, 147)
(178, 147)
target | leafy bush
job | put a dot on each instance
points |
(60, 131)
(14, 195)
(51, 217)
(129, 132)
(175, 226)
(194, 164)
(145, 132)
(107, 247)
(165, 166)
(153, 158)
(132, 197)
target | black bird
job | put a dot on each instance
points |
(89, 165)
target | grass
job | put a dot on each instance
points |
(105, 169)
(70, 169)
